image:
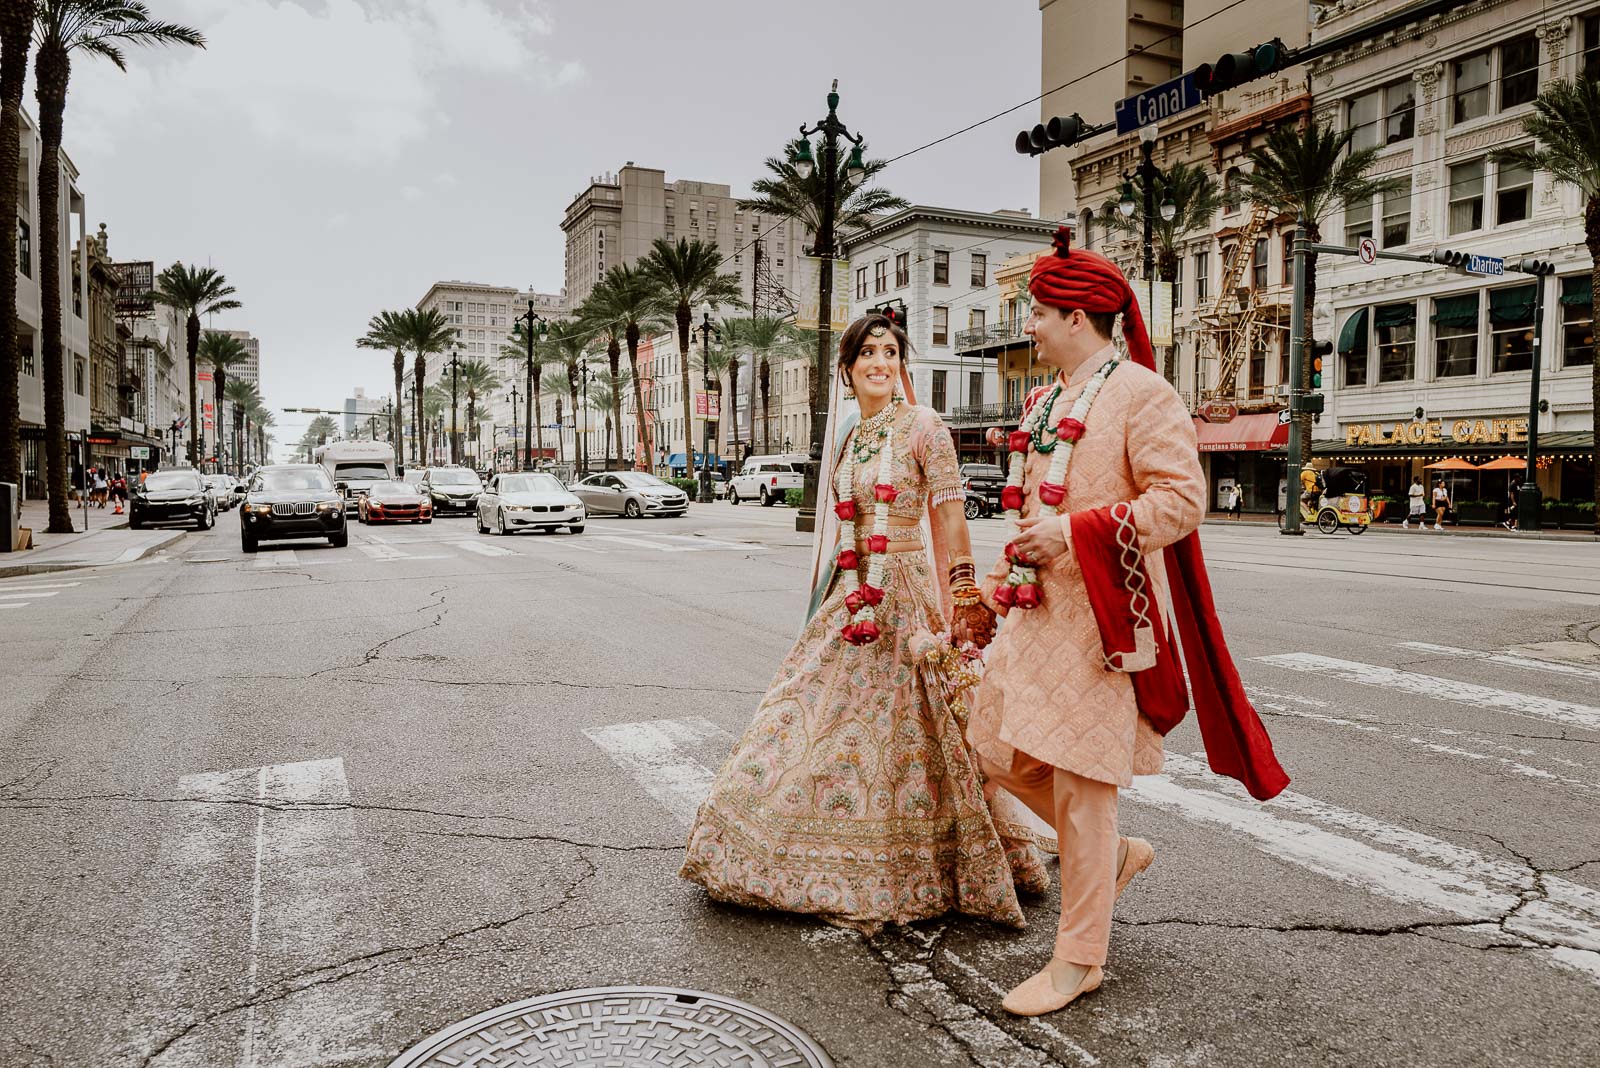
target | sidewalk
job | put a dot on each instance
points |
(106, 540)
(1223, 519)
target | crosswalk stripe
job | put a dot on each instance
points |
(1518, 704)
(15, 604)
(27, 596)
(382, 552)
(638, 543)
(484, 548)
(46, 586)
(1507, 659)
(279, 558)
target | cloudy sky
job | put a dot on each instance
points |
(335, 157)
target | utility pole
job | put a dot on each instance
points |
(1297, 347)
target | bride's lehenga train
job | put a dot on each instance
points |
(853, 794)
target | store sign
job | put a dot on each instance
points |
(139, 452)
(1439, 432)
(1218, 411)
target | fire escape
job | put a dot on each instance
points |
(1234, 324)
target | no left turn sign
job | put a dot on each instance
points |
(1367, 249)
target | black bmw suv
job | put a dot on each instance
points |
(292, 501)
(172, 495)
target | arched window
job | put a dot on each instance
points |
(1086, 228)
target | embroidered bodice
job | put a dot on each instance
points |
(925, 466)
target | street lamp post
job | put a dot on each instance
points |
(528, 333)
(525, 466)
(455, 447)
(832, 130)
(583, 376)
(1148, 174)
(1530, 503)
(707, 331)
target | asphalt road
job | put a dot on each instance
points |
(307, 807)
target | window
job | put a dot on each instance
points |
(1397, 213)
(25, 346)
(24, 249)
(880, 276)
(1232, 192)
(1258, 265)
(1288, 259)
(1177, 280)
(1361, 117)
(1591, 46)
(1471, 98)
(941, 268)
(1519, 71)
(1577, 327)
(1086, 226)
(902, 270)
(1455, 333)
(1396, 329)
(1202, 277)
(980, 270)
(1513, 193)
(1466, 197)
(1258, 367)
(1401, 98)
(861, 283)
(976, 319)
(1511, 328)
(1357, 221)
(941, 326)
(974, 388)
(77, 377)
(939, 387)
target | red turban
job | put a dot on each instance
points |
(1072, 279)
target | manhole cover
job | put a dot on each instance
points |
(620, 1026)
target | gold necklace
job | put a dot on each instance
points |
(872, 432)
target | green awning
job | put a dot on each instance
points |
(1394, 315)
(1512, 307)
(1353, 338)
(1456, 311)
(1577, 289)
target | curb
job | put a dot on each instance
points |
(1452, 532)
(15, 570)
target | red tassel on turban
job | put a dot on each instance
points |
(1078, 279)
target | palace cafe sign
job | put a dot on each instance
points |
(1432, 432)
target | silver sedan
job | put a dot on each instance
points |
(630, 493)
(516, 502)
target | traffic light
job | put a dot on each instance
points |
(1059, 132)
(1537, 267)
(1236, 68)
(1447, 257)
(1319, 351)
(894, 311)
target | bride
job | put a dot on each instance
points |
(852, 795)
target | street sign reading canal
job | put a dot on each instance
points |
(1154, 105)
(1484, 265)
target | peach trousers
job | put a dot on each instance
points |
(1084, 814)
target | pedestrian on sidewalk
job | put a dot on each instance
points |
(1417, 507)
(1234, 500)
(1441, 504)
(101, 487)
(1510, 520)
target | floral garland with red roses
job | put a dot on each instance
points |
(862, 599)
(1021, 586)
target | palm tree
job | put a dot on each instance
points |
(568, 346)
(767, 341)
(605, 396)
(544, 356)
(477, 381)
(194, 291)
(425, 333)
(787, 195)
(626, 296)
(16, 34)
(611, 334)
(386, 331)
(262, 418)
(683, 274)
(1312, 172)
(1195, 198)
(61, 27)
(242, 396)
(712, 364)
(320, 431)
(220, 351)
(433, 401)
(1565, 125)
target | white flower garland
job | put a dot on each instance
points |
(863, 626)
(1021, 586)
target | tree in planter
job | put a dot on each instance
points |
(60, 28)
(1193, 195)
(1311, 172)
(1565, 125)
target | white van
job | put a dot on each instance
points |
(767, 479)
(356, 465)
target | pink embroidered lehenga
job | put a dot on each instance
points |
(853, 795)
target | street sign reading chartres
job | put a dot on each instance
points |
(1218, 411)
(1484, 265)
(1161, 102)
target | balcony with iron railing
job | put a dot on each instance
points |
(1005, 332)
(984, 415)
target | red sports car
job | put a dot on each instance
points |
(394, 502)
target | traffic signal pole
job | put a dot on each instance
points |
(1297, 359)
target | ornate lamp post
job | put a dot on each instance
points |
(1148, 174)
(707, 331)
(528, 333)
(526, 466)
(455, 445)
(800, 156)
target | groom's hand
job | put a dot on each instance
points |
(1040, 539)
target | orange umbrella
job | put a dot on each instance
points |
(1505, 463)
(1455, 463)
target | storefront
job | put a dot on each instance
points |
(1239, 450)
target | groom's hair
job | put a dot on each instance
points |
(1101, 322)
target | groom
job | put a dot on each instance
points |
(1083, 680)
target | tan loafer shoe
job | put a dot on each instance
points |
(1037, 995)
(1137, 859)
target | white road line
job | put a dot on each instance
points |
(639, 543)
(382, 552)
(1518, 704)
(46, 586)
(483, 548)
(279, 558)
(650, 752)
(696, 542)
(28, 596)
(15, 604)
(1506, 659)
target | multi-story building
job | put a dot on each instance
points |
(72, 227)
(1433, 363)
(115, 428)
(362, 413)
(157, 363)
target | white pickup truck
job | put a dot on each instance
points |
(356, 465)
(767, 479)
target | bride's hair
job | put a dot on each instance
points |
(856, 334)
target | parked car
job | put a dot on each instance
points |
(767, 479)
(630, 493)
(172, 495)
(976, 506)
(453, 490)
(393, 501)
(985, 480)
(532, 501)
(292, 501)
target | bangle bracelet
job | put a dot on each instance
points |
(966, 600)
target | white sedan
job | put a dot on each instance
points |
(528, 501)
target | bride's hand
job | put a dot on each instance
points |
(972, 623)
